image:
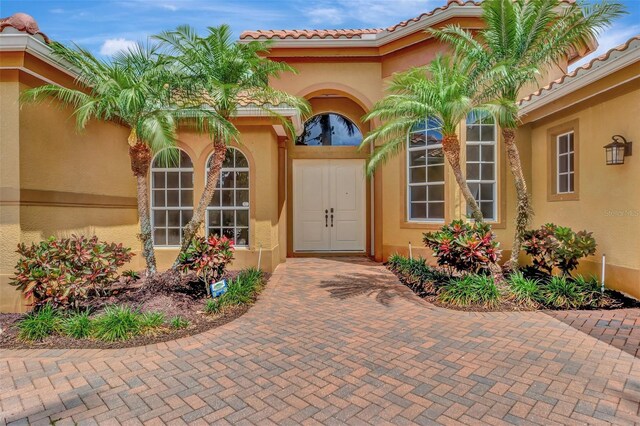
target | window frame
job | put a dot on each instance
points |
(568, 155)
(495, 182)
(233, 208)
(180, 208)
(407, 180)
(553, 184)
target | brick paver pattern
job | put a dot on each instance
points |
(336, 341)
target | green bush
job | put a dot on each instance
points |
(65, 272)
(416, 273)
(591, 291)
(150, 320)
(240, 291)
(40, 324)
(207, 258)
(117, 323)
(179, 323)
(553, 246)
(525, 291)
(562, 292)
(471, 290)
(77, 325)
(465, 247)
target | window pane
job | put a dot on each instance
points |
(242, 180)
(571, 166)
(418, 193)
(173, 198)
(330, 129)
(173, 237)
(486, 191)
(487, 172)
(160, 237)
(562, 164)
(488, 133)
(473, 152)
(242, 198)
(418, 210)
(173, 217)
(241, 160)
(215, 200)
(486, 208)
(158, 198)
(228, 158)
(186, 198)
(185, 161)
(242, 217)
(186, 217)
(562, 144)
(421, 125)
(436, 210)
(475, 189)
(435, 173)
(473, 171)
(158, 180)
(215, 231)
(571, 182)
(173, 179)
(417, 158)
(186, 180)
(242, 238)
(417, 140)
(227, 179)
(563, 183)
(214, 217)
(434, 137)
(435, 156)
(229, 233)
(159, 218)
(473, 133)
(227, 198)
(228, 218)
(418, 175)
(436, 192)
(488, 153)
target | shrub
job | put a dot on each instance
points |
(591, 291)
(240, 291)
(471, 290)
(178, 323)
(117, 323)
(465, 247)
(562, 292)
(150, 320)
(40, 324)
(207, 257)
(525, 291)
(553, 246)
(416, 273)
(77, 325)
(65, 272)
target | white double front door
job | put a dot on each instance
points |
(329, 205)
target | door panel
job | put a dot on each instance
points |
(347, 198)
(311, 196)
(323, 185)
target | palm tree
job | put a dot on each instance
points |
(132, 89)
(441, 90)
(225, 74)
(521, 38)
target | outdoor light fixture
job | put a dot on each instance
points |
(617, 150)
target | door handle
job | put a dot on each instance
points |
(332, 217)
(326, 218)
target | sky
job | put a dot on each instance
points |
(106, 26)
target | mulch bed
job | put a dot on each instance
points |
(616, 300)
(169, 293)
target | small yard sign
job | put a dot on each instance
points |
(219, 288)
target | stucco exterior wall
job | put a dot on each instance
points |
(609, 199)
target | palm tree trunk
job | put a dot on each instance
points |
(191, 229)
(140, 156)
(451, 148)
(524, 210)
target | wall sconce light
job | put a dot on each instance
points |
(617, 150)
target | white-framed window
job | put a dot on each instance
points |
(228, 212)
(482, 162)
(171, 198)
(565, 167)
(425, 172)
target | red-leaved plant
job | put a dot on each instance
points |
(65, 272)
(465, 247)
(207, 257)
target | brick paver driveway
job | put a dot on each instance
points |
(336, 341)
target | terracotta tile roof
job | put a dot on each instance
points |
(353, 33)
(23, 22)
(602, 58)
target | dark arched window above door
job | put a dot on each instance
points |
(330, 129)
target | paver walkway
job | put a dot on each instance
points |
(336, 341)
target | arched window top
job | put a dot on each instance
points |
(233, 159)
(168, 160)
(330, 129)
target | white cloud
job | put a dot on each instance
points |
(114, 45)
(609, 40)
(325, 15)
(168, 6)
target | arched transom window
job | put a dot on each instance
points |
(228, 212)
(425, 172)
(330, 130)
(171, 198)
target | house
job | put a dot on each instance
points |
(281, 198)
